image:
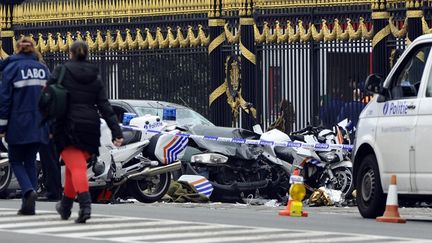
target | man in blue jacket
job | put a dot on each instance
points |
(352, 109)
(20, 120)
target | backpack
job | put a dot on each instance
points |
(54, 99)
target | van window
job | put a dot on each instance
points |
(406, 81)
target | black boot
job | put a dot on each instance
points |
(84, 200)
(64, 207)
(28, 203)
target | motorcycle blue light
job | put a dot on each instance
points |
(169, 114)
(127, 117)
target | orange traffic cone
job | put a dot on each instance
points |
(391, 214)
(296, 195)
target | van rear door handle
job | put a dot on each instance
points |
(411, 107)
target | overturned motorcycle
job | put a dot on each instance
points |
(141, 168)
(237, 170)
(322, 166)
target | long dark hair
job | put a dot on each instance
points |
(79, 51)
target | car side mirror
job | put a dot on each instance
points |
(374, 83)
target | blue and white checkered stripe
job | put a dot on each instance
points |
(205, 188)
(315, 146)
(176, 149)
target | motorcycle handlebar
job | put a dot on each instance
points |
(308, 129)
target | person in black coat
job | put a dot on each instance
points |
(77, 136)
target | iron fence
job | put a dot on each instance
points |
(313, 54)
(174, 75)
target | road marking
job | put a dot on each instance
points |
(57, 222)
(247, 237)
(176, 236)
(175, 227)
(9, 213)
(90, 226)
(28, 218)
(343, 239)
(134, 229)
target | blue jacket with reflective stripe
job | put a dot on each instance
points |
(22, 81)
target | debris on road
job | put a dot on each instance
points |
(325, 197)
(181, 192)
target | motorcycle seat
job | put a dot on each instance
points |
(285, 153)
(131, 136)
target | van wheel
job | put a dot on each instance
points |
(370, 196)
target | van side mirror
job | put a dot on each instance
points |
(374, 83)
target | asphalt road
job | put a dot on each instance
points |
(162, 222)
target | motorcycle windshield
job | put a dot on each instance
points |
(241, 151)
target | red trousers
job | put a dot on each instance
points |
(76, 171)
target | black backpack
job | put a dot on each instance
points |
(53, 101)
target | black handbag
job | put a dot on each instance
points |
(53, 101)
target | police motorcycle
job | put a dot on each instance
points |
(142, 167)
(5, 169)
(324, 166)
(238, 170)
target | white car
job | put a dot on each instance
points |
(394, 135)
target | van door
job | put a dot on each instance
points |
(395, 134)
(423, 146)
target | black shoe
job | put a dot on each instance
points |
(28, 204)
(84, 200)
(64, 207)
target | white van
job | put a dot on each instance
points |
(394, 135)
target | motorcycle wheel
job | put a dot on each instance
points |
(5, 178)
(151, 189)
(344, 181)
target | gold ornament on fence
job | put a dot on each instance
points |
(425, 26)
(194, 41)
(299, 33)
(38, 12)
(163, 42)
(53, 47)
(184, 42)
(304, 35)
(131, 43)
(79, 10)
(231, 38)
(292, 35)
(124, 41)
(281, 37)
(92, 44)
(398, 33)
(233, 89)
(260, 38)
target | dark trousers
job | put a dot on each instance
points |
(51, 170)
(22, 159)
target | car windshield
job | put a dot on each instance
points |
(185, 116)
